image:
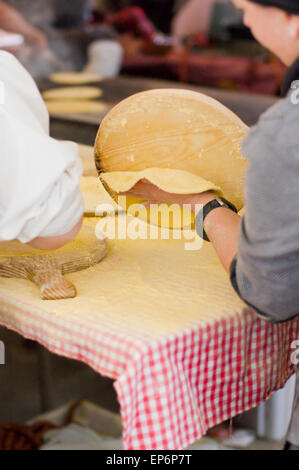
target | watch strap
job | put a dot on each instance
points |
(206, 209)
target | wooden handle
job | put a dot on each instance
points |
(48, 276)
(44, 270)
(47, 270)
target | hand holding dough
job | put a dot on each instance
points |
(170, 182)
(145, 190)
(181, 141)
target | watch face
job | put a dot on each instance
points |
(220, 201)
(228, 204)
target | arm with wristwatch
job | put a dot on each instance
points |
(261, 249)
(217, 221)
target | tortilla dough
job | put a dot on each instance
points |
(75, 107)
(74, 78)
(95, 196)
(86, 153)
(73, 93)
(165, 179)
(177, 130)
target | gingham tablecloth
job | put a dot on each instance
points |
(184, 351)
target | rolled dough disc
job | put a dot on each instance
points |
(46, 268)
(75, 107)
(96, 198)
(74, 78)
(178, 181)
(182, 182)
(73, 93)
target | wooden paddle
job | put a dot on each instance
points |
(47, 270)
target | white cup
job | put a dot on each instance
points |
(105, 58)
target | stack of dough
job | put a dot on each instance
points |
(74, 99)
(182, 141)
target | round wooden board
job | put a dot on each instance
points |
(46, 268)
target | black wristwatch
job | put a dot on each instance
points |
(200, 218)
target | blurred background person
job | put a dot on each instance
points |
(206, 17)
(12, 21)
(193, 17)
(62, 25)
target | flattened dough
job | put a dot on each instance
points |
(74, 78)
(95, 196)
(75, 107)
(73, 93)
(166, 179)
(178, 181)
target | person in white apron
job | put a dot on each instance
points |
(40, 200)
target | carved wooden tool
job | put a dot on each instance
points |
(47, 270)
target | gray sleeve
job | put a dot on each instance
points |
(265, 272)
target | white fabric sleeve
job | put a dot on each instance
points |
(39, 176)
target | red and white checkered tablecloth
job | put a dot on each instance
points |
(172, 382)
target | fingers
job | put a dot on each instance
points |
(143, 190)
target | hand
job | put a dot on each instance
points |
(37, 38)
(154, 195)
(11, 49)
(53, 243)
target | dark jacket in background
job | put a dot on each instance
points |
(160, 12)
